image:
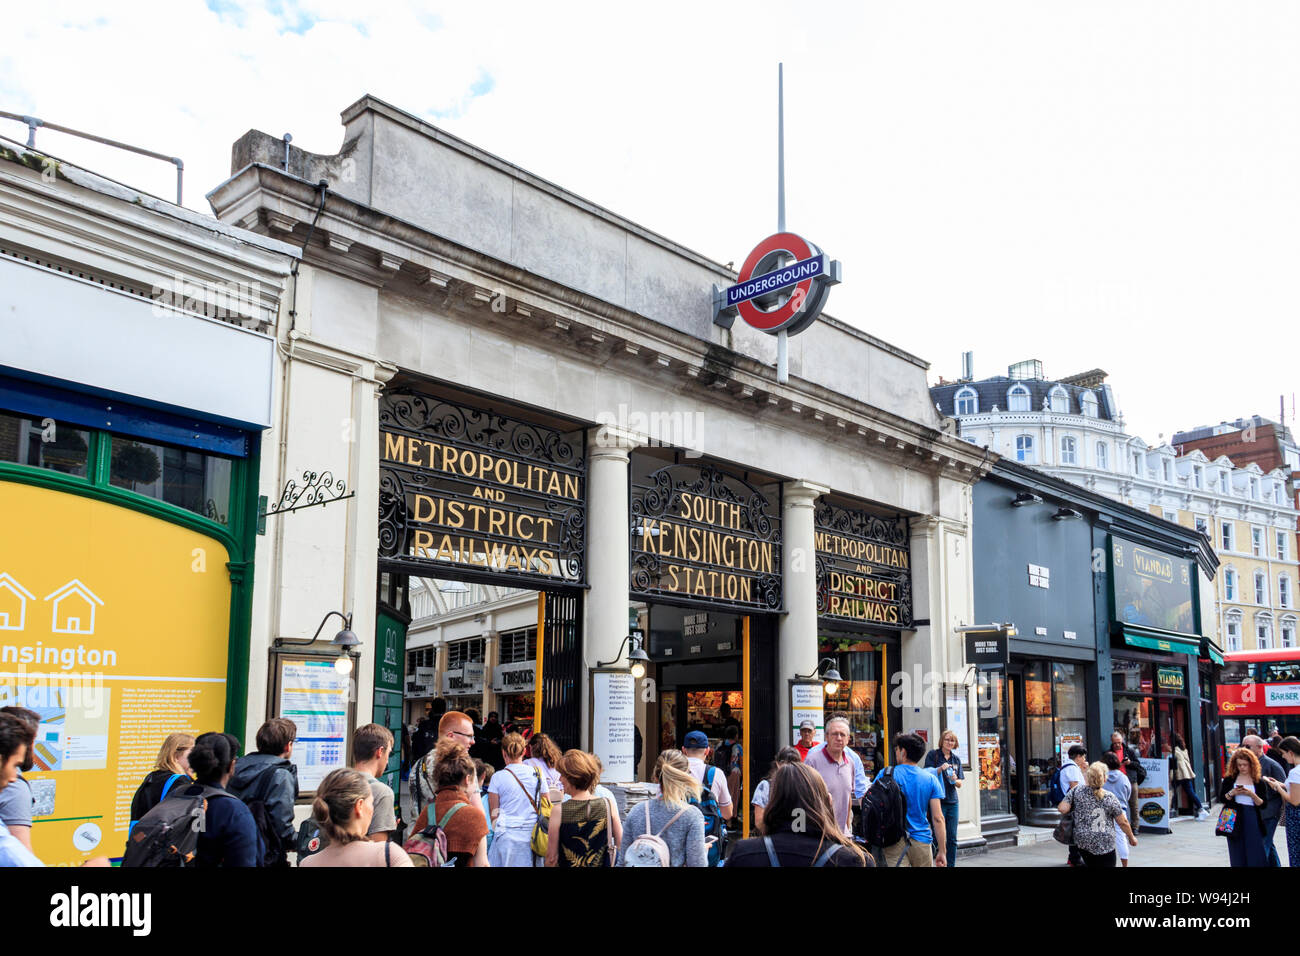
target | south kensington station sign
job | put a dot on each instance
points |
(469, 493)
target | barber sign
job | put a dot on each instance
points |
(782, 286)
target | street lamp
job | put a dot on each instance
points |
(344, 640)
(635, 656)
(830, 676)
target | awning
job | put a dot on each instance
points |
(1209, 650)
(1170, 645)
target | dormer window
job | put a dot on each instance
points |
(1223, 482)
(1017, 399)
(1060, 401)
(1088, 403)
(1198, 476)
(967, 403)
(1254, 487)
(1167, 471)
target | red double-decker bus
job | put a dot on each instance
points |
(1257, 692)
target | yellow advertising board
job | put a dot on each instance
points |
(114, 627)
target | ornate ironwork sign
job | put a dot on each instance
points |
(702, 535)
(864, 567)
(471, 494)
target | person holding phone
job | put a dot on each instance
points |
(1243, 791)
(1290, 794)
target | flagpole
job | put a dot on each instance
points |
(782, 344)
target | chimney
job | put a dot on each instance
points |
(967, 366)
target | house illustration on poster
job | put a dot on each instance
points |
(74, 609)
(13, 603)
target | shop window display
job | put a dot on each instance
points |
(862, 696)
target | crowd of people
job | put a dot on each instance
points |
(487, 795)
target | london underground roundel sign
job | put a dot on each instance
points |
(782, 286)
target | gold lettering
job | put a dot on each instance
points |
(393, 446)
(571, 486)
(422, 541)
(413, 451)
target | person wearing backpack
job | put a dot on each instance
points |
(517, 796)
(171, 770)
(456, 806)
(715, 799)
(799, 826)
(668, 830)
(267, 782)
(228, 836)
(344, 807)
(923, 794)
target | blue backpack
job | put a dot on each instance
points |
(1055, 791)
(713, 823)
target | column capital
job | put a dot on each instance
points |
(612, 441)
(801, 493)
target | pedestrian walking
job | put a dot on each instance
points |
(452, 725)
(763, 791)
(800, 827)
(372, 744)
(1184, 777)
(267, 781)
(1130, 761)
(715, 797)
(344, 807)
(666, 830)
(229, 836)
(545, 756)
(585, 830)
(945, 760)
(1071, 775)
(16, 799)
(1117, 783)
(1270, 814)
(456, 786)
(836, 769)
(1289, 747)
(807, 738)
(1243, 793)
(515, 795)
(1096, 812)
(170, 770)
(492, 734)
(924, 800)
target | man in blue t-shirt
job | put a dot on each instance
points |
(924, 795)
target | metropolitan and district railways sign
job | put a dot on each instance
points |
(706, 536)
(465, 492)
(864, 569)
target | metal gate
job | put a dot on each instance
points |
(559, 651)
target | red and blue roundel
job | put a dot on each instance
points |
(782, 286)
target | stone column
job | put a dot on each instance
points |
(797, 634)
(605, 625)
(491, 658)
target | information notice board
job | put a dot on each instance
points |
(317, 698)
(613, 723)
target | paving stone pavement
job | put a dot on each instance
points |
(1189, 843)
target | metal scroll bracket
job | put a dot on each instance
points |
(316, 489)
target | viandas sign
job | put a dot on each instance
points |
(1151, 588)
(469, 493)
(864, 570)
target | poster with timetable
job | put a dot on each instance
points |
(315, 697)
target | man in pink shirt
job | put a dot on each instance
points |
(836, 769)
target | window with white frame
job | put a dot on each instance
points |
(1017, 399)
(1101, 456)
(1263, 635)
(1167, 470)
(1198, 476)
(1069, 451)
(1232, 637)
(1287, 630)
(1254, 487)
(1060, 401)
(968, 402)
(1203, 526)
(1277, 493)
(1025, 448)
(1171, 516)
(1229, 585)
(1257, 542)
(1281, 546)
(1225, 539)
(1261, 588)
(1283, 591)
(1088, 402)
(1137, 463)
(1223, 482)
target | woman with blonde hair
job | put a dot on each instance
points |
(1095, 812)
(669, 816)
(170, 774)
(344, 806)
(515, 795)
(799, 826)
(945, 762)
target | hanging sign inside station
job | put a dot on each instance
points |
(782, 286)
(470, 494)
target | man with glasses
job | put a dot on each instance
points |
(453, 725)
(832, 761)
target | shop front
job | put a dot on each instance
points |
(514, 685)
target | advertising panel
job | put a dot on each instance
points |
(116, 630)
(1152, 589)
(1153, 794)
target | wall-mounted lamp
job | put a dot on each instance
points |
(635, 656)
(344, 640)
(1026, 498)
(1065, 514)
(830, 676)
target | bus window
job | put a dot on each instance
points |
(1281, 671)
(1237, 672)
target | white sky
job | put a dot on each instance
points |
(1111, 184)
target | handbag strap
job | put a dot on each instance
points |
(525, 789)
(771, 853)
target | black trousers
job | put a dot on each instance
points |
(1097, 859)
